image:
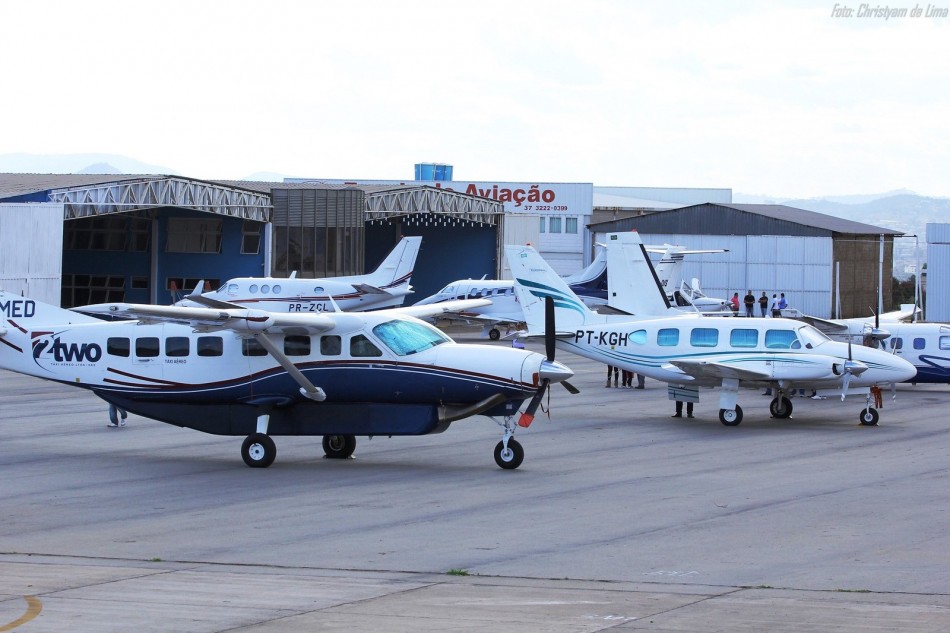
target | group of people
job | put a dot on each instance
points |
(623, 377)
(778, 304)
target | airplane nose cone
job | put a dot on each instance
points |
(554, 371)
(905, 369)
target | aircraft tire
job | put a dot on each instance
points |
(339, 446)
(510, 459)
(258, 450)
(781, 409)
(731, 418)
(494, 334)
(869, 417)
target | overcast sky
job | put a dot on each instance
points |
(778, 98)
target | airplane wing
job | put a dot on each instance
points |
(370, 290)
(445, 308)
(237, 319)
(829, 328)
(701, 369)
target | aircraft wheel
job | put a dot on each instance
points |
(781, 408)
(731, 417)
(512, 457)
(494, 334)
(258, 450)
(869, 417)
(339, 446)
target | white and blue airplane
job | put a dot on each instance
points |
(238, 371)
(669, 270)
(385, 287)
(690, 351)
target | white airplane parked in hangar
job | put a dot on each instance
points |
(691, 351)
(235, 371)
(670, 272)
(385, 287)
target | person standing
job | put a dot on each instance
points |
(749, 302)
(679, 409)
(611, 370)
(734, 303)
(764, 304)
(117, 416)
(641, 380)
(776, 313)
(782, 303)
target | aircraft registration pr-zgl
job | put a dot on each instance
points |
(235, 371)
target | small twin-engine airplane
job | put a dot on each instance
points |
(229, 370)
(385, 287)
(502, 309)
(689, 352)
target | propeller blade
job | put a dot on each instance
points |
(571, 388)
(844, 384)
(528, 416)
(549, 344)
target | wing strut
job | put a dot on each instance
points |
(307, 388)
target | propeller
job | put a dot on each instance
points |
(547, 366)
(850, 369)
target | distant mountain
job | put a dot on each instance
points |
(901, 210)
(22, 163)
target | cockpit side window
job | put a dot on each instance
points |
(362, 347)
(781, 339)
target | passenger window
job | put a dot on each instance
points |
(297, 345)
(177, 346)
(703, 337)
(744, 338)
(250, 347)
(668, 337)
(276, 290)
(781, 339)
(253, 289)
(210, 346)
(360, 346)
(330, 345)
(117, 346)
(146, 347)
(920, 343)
(944, 342)
(265, 289)
(897, 343)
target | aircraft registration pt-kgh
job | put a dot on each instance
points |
(235, 371)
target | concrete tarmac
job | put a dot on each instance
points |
(620, 518)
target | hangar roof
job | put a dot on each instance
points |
(742, 219)
(97, 194)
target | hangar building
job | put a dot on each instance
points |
(774, 248)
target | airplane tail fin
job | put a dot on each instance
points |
(534, 281)
(633, 285)
(394, 272)
(22, 313)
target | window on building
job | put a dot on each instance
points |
(193, 235)
(544, 222)
(79, 290)
(251, 237)
(570, 225)
(554, 225)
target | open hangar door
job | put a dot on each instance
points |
(448, 252)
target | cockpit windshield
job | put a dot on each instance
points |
(811, 336)
(409, 337)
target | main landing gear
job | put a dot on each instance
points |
(731, 417)
(780, 407)
(339, 446)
